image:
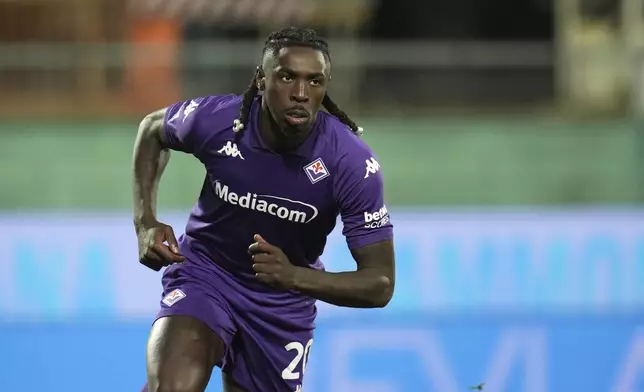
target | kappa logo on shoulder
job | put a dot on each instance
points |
(175, 296)
(191, 107)
(372, 167)
(231, 150)
(316, 170)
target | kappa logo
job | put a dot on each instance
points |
(316, 170)
(192, 106)
(372, 166)
(231, 150)
(175, 296)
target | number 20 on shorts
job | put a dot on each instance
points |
(301, 355)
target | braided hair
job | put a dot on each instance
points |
(292, 36)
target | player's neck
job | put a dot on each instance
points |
(269, 131)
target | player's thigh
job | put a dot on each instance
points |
(267, 361)
(193, 330)
(181, 353)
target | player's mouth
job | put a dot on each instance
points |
(297, 117)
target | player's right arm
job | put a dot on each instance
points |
(150, 158)
(179, 127)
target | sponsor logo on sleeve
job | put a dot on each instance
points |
(376, 219)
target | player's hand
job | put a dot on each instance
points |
(153, 251)
(271, 265)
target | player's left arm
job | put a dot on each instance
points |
(369, 235)
(370, 286)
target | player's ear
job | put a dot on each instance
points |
(261, 79)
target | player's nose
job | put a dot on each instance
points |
(300, 92)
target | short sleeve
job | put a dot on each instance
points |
(184, 123)
(360, 194)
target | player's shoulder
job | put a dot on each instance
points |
(351, 153)
(216, 106)
(341, 140)
(211, 113)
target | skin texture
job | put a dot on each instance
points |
(181, 354)
(182, 351)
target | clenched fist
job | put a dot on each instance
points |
(158, 245)
(271, 265)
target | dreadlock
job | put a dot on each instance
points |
(292, 36)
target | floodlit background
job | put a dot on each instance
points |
(510, 134)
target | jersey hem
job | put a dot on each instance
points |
(361, 242)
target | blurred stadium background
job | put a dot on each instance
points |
(510, 133)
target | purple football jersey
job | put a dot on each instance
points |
(292, 200)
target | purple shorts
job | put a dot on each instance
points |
(267, 334)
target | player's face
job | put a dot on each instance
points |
(295, 84)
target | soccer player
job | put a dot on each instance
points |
(241, 284)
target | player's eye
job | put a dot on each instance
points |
(315, 82)
(287, 79)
